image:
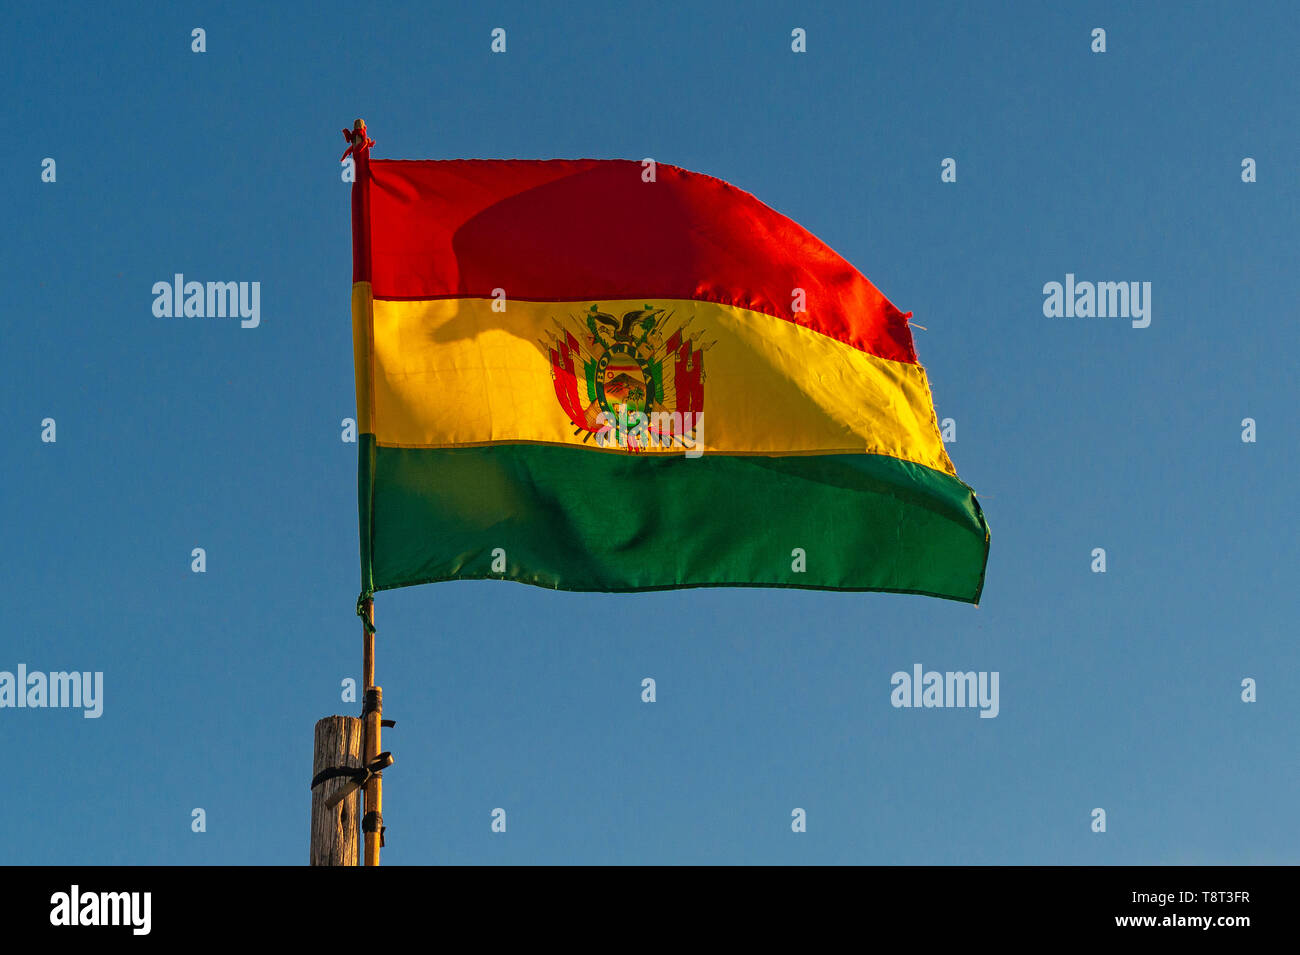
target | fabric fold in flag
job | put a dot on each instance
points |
(575, 376)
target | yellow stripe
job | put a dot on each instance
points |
(363, 355)
(455, 373)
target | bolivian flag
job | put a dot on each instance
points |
(605, 376)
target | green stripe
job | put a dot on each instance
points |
(580, 519)
(365, 508)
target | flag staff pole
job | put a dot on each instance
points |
(372, 822)
(372, 759)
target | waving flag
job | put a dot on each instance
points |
(590, 375)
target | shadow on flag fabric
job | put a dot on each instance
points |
(597, 375)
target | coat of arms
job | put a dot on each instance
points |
(629, 382)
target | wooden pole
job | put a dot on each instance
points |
(334, 829)
(372, 714)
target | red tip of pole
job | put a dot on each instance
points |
(358, 140)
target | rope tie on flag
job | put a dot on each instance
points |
(361, 611)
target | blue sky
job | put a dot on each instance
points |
(1118, 690)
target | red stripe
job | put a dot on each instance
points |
(591, 230)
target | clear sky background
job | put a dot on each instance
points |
(1119, 690)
